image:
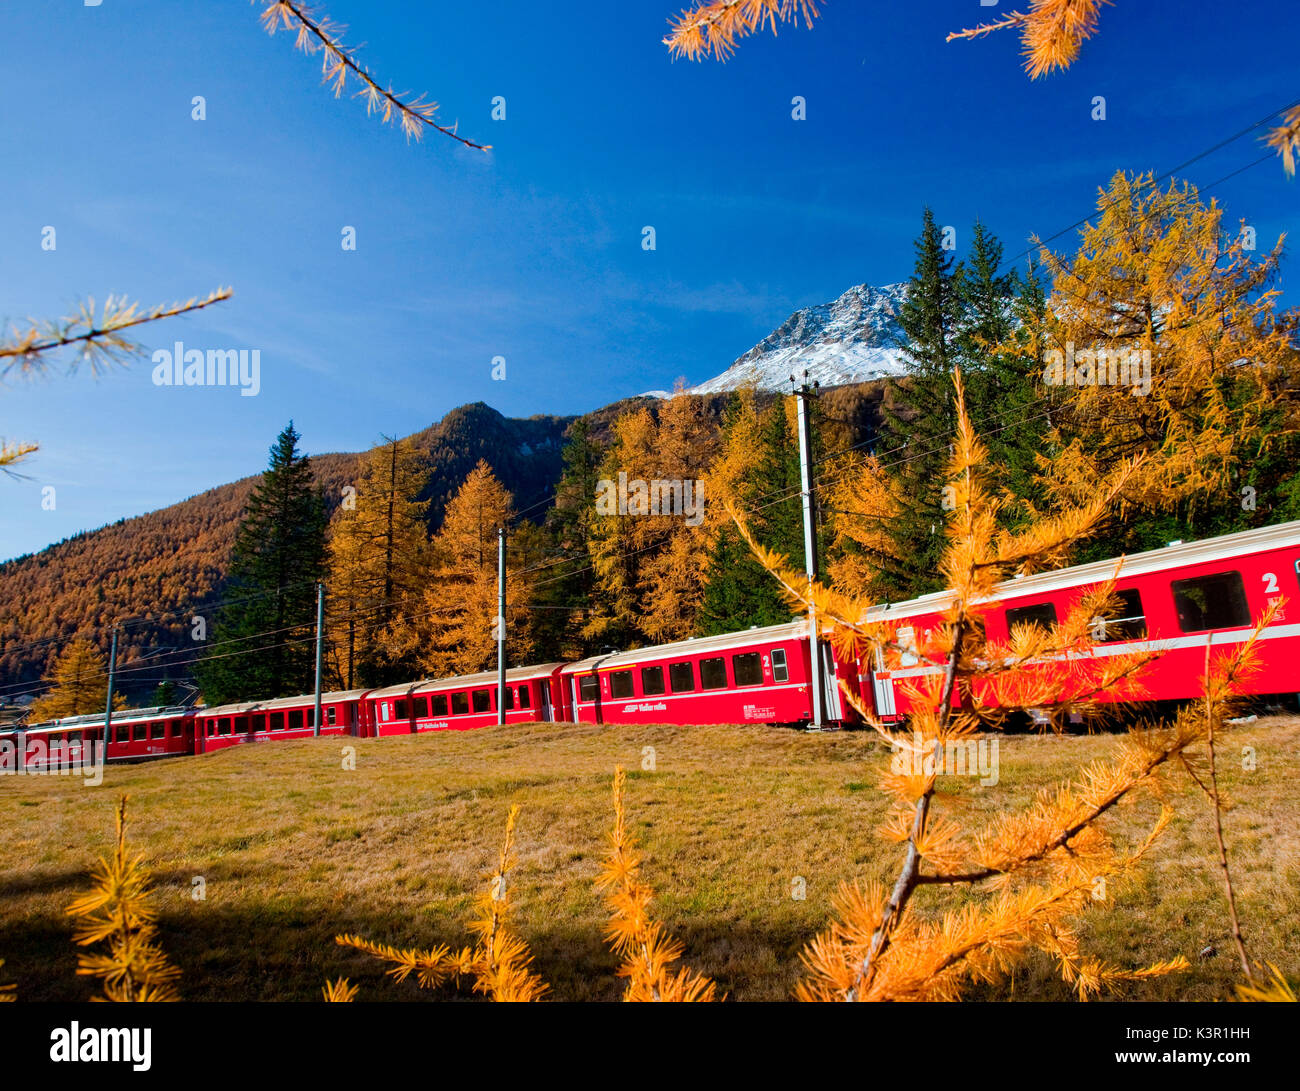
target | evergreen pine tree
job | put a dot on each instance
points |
(919, 419)
(270, 618)
(564, 590)
(1025, 405)
(165, 695)
(1003, 321)
(986, 322)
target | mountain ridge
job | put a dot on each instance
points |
(852, 339)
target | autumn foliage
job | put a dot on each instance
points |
(78, 684)
(1031, 873)
(648, 952)
(118, 911)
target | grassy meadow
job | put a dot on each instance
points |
(293, 848)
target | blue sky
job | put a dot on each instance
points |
(533, 251)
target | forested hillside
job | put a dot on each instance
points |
(161, 569)
(170, 564)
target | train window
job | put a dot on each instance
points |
(146, 733)
(421, 707)
(121, 734)
(780, 672)
(908, 652)
(459, 704)
(402, 708)
(525, 698)
(482, 700)
(713, 673)
(258, 722)
(620, 684)
(440, 704)
(588, 687)
(241, 725)
(1042, 614)
(295, 719)
(747, 669)
(681, 677)
(277, 721)
(1211, 602)
(510, 698)
(1131, 622)
(223, 725)
(652, 680)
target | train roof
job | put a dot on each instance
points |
(430, 685)
(790, 630)
(1227, 547)
(302, 700)
(120, 716)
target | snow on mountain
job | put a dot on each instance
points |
(851, 340)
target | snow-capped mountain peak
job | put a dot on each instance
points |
(851, 340)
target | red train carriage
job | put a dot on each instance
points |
(136, 734)
(1174, 599)
(756, 676)
(342, 713)
(458, 704)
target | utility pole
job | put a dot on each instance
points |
(501, 625)
(320, 641)
(108, 709)
(802, 394)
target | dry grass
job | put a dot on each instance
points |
(295, 849)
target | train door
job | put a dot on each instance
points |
(882, 688)
(545, 714)
(830, 686)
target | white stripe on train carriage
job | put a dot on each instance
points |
(1225, 549)
(1164, 644)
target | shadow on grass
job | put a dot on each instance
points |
(284, 950)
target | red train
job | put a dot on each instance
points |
(137, 734)
(458, 704)
(342, 713)
(1175, 599)
(756, 676)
